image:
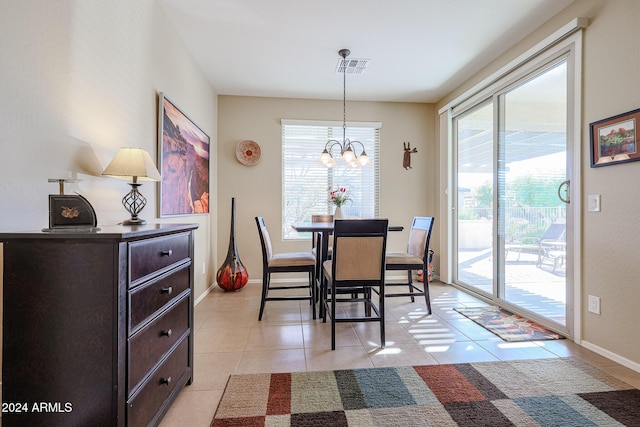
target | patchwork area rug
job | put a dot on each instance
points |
(549, 392)
(508, 326)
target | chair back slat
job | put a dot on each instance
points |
(417, 239)
(420, 235)
(359, 258)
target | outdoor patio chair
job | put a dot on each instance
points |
(553, 245)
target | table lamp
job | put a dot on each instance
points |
(134, 163)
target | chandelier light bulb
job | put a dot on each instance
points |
(348, 155)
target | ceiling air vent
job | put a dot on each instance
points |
(351, 66)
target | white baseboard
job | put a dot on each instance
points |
(204, 294)
(215, 285)
(611, 355)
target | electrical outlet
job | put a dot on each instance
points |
(594, 304)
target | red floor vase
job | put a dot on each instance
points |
(232, 275)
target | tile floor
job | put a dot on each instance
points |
(230, 340)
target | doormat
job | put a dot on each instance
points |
(508, 326)
(549, 392)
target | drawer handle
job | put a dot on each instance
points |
(166, 381)
(167, 253)
(166, 333)
(168, 290)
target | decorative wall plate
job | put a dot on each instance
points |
(248, 152)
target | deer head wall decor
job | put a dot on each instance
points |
(406, 160)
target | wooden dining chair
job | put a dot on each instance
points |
(316, 238)
(357, 268)
(415, 258)
(287, 262)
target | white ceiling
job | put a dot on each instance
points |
(419, 50)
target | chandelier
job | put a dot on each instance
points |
(347, 147)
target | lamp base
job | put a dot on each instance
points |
(134, 221)
(134, 202)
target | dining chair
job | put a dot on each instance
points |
(315, 243)
(357, 267)
(286, 262)
(316, 238)
(415, 258)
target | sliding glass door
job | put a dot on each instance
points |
(474, 207)
(532, 199)
(512, 186)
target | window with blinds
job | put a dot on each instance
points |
(306, 182)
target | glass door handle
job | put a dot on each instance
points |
(565, 187)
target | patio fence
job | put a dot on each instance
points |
(521, 222)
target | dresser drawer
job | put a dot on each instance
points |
(151, 255)
(145, 300)
(148, 345)
(171, 374)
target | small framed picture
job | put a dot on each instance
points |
(70, 212)
(615, 139)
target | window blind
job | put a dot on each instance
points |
(306, 182)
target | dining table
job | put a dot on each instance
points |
(324, 230)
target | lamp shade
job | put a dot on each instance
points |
(133, 163)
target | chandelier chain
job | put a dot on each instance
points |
(344, 102)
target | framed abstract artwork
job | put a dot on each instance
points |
(183, 160)
(615, 139)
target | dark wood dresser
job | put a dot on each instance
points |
(98, 327)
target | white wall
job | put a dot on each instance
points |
(258, 189)
(610, 263)
(80, 80)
